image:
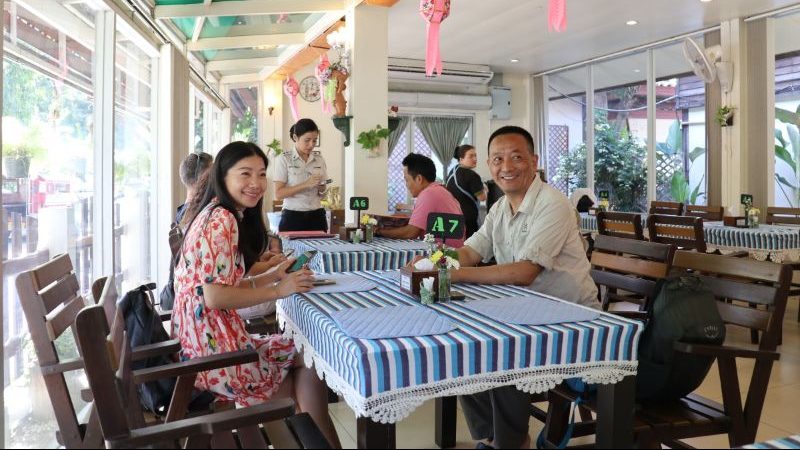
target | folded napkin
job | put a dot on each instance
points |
(531, 309)
(344, 283)
(343, 246)
(391, 322)
(404, 245)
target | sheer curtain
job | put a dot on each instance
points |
(394, 136)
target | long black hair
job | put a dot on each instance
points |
(252, 229)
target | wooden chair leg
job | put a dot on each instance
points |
(557, 420)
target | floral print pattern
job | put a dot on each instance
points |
(209, 255)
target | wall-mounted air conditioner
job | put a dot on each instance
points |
(402, 69)
(440, 101)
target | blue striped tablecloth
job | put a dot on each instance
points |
(790, 442)
(386, 379)
(379, 257)
(776, 242)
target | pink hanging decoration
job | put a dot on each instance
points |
(323, 74)
(434, 12)
(292, 88)
(283, 18)
(557, 16)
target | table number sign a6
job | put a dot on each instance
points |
(359, 203)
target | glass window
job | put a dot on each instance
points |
(566, 139)
(199, 123)
(620, 114)
(244, 110)
(787, 112)
(397, 185)
(681, 173)
(134, 157)
(47, 191)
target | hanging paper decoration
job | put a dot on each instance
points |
(557, 15)
(434, 12)
(283, 18)
(292, 88)
(323, 75)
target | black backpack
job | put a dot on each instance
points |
(167, 296)
(684, 310)
(144, 327)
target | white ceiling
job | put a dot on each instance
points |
(495, 31)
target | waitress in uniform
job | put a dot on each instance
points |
(300, 181)
(466, 186)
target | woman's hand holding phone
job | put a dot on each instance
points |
(295, 283)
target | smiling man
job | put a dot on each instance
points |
(533, 234)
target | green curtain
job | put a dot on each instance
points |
(443, 134)
(395, 135)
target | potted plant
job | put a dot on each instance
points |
(371, 139)
(275, 145)
(725, 116)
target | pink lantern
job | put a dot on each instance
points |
(434, 12)
(557, 15)
(322, 73)
(292, 88)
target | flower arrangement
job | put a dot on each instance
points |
(393, 110)
(442, 256)
(366, 219)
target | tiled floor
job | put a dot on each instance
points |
(780, 417)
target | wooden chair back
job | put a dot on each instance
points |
(622, 225)
(621, 264)
(783, 216)
(51, 300)
(685, 233)
(108, 358)
(666, 208)
(708, 213)
(277, 205)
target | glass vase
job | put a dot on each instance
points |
(369, 233)
(444, 285)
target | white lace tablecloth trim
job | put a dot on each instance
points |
(776, 256)
(396, 405)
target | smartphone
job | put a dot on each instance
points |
(457, 295)
(302, 260)
(324, 182)
(288, 253)
(323, 282)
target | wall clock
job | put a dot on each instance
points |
(309, 89)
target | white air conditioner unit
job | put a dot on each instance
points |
(402, 69)
(440, 101)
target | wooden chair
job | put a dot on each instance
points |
(621, 225)
(787, 216)
(744, 280)
(50, 297)
(108, 358)
(277, 205)
(708, 213)
(666, 208)
(783, 216)
(634, 267)
(685, 233)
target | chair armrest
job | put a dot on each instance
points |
(722, 351)
(165, 315)
(64, 366)
(206, 424)
(195, 365)
(158, 349)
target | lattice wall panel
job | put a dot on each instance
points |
(557, 148)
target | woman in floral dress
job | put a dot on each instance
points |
(218, 273)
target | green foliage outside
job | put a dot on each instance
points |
(621, 166)
(245, 129)
(787, 149)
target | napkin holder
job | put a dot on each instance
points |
(410, 279)
(345, 232)
(737, 221)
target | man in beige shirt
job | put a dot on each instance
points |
(532, 234)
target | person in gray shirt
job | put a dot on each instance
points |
(532, 234)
